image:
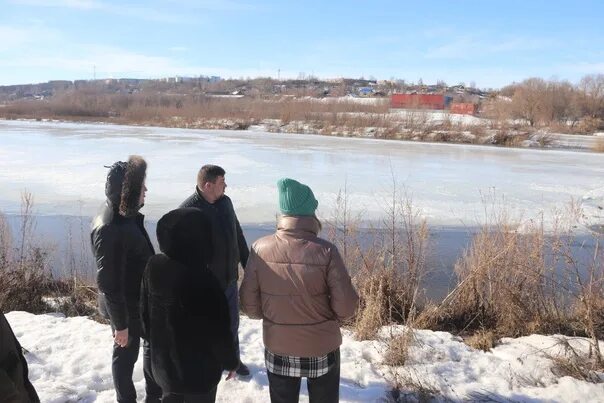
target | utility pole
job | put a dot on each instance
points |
(278, 74)
(94, 72)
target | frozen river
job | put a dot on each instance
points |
(62, 164)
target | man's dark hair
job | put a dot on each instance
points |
(209, 173)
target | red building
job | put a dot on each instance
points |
(464, 108)
(418, 101)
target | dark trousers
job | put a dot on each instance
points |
(232, 296)
(209, 397)
(122, 368)
(324, 389)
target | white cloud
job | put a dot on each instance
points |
(16, 37)
(460, 47)
(145, 13)
(78, 4)
(215, 5)
(13, 37)
(118, 62)
(470, 46)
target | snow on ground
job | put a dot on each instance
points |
(515, 370)
(69, 360)
(430, 116)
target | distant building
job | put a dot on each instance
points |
(365, 91)
(420, 101)
(464, 108)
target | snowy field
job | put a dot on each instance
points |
(69, 361)
(62, 164)
(430, 116)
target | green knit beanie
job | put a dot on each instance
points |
(296, 198)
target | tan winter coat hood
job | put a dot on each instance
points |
(297, 283)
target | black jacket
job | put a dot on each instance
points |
(121, 246)
(184, 311)
(230, 247)
(14, 383)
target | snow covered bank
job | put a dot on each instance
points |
(517, 370)
(69, 360)
(431, 116)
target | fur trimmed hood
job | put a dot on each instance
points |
(132, 186)
(125, 184)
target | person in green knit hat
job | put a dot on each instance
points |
(298, 285)
(295, 198)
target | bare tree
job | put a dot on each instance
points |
(591, 88)
(528, 100)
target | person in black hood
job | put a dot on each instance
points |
(185, 314)
(15, 386)
(121, 248)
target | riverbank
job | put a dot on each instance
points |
(402, 125)
(69, 360)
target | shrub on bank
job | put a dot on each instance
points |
(26, 280)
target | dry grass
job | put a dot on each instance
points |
(26, 280)
(482, 340)
(166, 109)
(513, 283)
(512, 280)
(374, 306)
(582, 366)
(411, 387)
(509, 138)
(390, 279)
(388, 272)
(504, 283)
(398, 348)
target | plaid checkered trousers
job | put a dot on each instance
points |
(301, 367)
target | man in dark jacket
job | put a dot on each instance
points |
(185, 314)
(230, 247)
(121, 247)
(14, 383)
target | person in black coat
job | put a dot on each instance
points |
(184, 311)
(121, 248)
(14, 382)
(230, 247)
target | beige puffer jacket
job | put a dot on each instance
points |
(297, 283)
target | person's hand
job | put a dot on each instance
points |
(121, 337)
(231, 375)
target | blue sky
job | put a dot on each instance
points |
(491, 43)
